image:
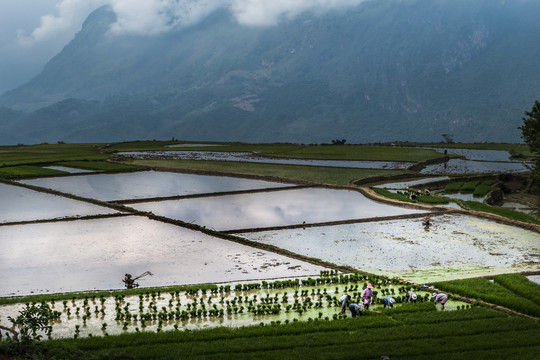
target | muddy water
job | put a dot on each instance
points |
(480, 155)
(276, 208)
(454, 247)
(95, 254)
(460, 166)
(147, 184)
(21, 204)
(250, 157)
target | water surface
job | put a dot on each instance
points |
(460, 166)
(454, 247)
(147, 184)
(95, 255)
(21, 204)
(68, 169)
(275, 208)
(251, 157)
(412, 183)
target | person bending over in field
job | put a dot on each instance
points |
(356, 309)
(366, 296)
(440, 297)
(410, 297)
(389, 301)
(343, 301)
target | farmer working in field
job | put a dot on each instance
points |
(389, 301)
(440, 297)
(343, 301)
(366, 296)
(356, 309)
(410, 297)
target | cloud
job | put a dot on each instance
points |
(71, 14)
(265, 13)
(151, 17)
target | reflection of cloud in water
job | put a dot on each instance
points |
(276, 208)
(95, 254)
(21, 204)
(147, 184)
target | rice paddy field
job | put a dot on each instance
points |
(250, 260)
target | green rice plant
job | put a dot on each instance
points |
(508, 213)
(469, 187)
(520, 285)
(445, 336)
(482, 190)
(453, 187)
(491, 292)
(401, 196)
(433, 199)
(15, 172)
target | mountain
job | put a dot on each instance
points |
(387, 70)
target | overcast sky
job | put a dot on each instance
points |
(33, 31)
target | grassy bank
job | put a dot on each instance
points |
(323, 175)
(49, 153)
(325, 152)
(507, 213)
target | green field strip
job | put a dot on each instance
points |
(491, 292)
(520, 285)
(409, 341)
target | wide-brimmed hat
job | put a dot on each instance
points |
(434, 294)
(370, 286)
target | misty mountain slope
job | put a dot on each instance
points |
(381, 71)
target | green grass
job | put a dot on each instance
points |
(324, 175)
(510, 214)
(97, 165)
(403, 196)
(325, 152)
(453, 187)
(491, 292)
(46, 153)
(480, 333)
(26, 171)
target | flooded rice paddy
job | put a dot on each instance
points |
(456, 246)
(275, 208)
(21, 204)
(151, 312)
(460, 166)
(251, 157)
(95, 254)
(147, 184)
(69, 170)
(480, 155)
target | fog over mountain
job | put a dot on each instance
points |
(296, 71)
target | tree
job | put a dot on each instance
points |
(531, 128)
(530, 132)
